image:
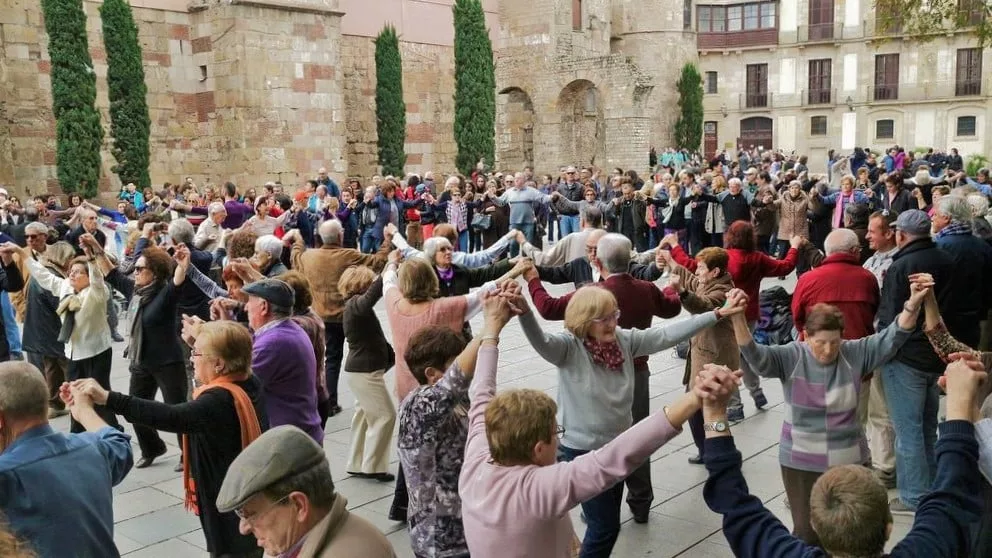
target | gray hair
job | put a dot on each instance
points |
(181, 231)
(270, 245)
(23, 391)
(979, 204)
(736, 181)
(331, 231)
(613, 253)
(841, 241)
(592, 216)
(216, 207)
(956, 208)
(36, 227)
(433, 244)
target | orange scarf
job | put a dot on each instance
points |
(250, 430)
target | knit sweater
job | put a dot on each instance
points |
(593, 402)
(821, 428)
(283, 359)
(522, 203)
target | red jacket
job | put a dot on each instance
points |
(747, 268)
(638, 301)
(842, 282)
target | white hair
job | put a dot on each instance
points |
(216, 207)
(979, 204)
(840, 241)
(956, 208)
(270, 245)
(331, 232)
(433, 244)
(181, 231)
(613, 252)
(35, 227)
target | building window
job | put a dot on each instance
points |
(710, 83)
(821, 19)
(967, 126)
(591, 104)
(968, 80)
(885, 129)
(576, 15)
(747, 17)
(756, 95)
(687, 14)
(886, 77)
(819, 81)
(971, 12)
(818, 126)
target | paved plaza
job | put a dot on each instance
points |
(152, 523)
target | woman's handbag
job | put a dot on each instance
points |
(481, 222)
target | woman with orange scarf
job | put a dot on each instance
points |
(226, 414)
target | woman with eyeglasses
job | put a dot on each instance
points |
(595, 360)
(226, 414)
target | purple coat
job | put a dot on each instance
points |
(283, 359)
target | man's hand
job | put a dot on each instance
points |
(192, 325)
(796, 242)
(149, 230)
(675, 282)
(670, 240)
(181, 255)
(920, 285)
(496, 311)
(395, 257)
(389, 230)
(713, 386)
(243, 269)
(961, 381)
(88, 390)
(90, 241)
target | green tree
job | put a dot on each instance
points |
(928, 19)
(475, 87)
(390, 110)
(78, 133)
(130, 124)
(689, 126)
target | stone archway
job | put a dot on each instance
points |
(514, 129)
(581, 130)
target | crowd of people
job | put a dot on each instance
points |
(238, 306)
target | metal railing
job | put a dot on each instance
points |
(927, 91)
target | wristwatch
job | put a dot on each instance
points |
(718, 426)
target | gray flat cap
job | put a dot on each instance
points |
(278, 454)
(914, 222)
(275, 292)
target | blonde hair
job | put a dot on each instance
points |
(355, 280)
(719, 183)
(848, 178)
(230, 342)
(515, 421)
(589, 303)
(417, 280)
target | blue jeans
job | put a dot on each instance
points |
(602, 515)
(463, 241)
(369, 242)
(567, 224)
(11, 330)
(913, 402)
(527, 229)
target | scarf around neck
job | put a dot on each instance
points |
(606, 354)
(251, 429)
(142, 296)
(67, 309)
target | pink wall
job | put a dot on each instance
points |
(416, 21)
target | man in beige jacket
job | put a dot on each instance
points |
(280, 487)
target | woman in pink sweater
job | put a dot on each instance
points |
(515, 496)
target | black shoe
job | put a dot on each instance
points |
(760, 400)
(696, 460)
(640, 517)
(179, 466)
(333, 410)
(116, 337)
(147, 460)
(397, 514)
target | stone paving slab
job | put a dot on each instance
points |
(151, 521)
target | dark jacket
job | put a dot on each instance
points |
(919, 256)
(368, 349)
(191, 300)
(972, 258)
(214, 431)
(735, 208)
(579, 272)
(904, 201)
(41, 323)
(941, 526)
(159, 322)
(634, 225)
(465, 279)
(382, 218)
(73, 238)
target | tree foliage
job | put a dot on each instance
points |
(475, 87)
(390, 110)
(78, 133)
(689, 126)
(130, 124)
(974, 162)
(927, 19)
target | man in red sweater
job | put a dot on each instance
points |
(638, 302)
(840, 281)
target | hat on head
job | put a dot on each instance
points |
(914, 222)
(278, 454)
(275, 292)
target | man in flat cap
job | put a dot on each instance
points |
(283, 357)
(281, 488)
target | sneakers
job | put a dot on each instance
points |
(735, 415)
(897, 506)
(760, 400)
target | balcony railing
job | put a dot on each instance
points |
(825, 33)
(886, 92)
(736, 39)
(757, 100)
(819, 96)
(967, 88)
(928, 91)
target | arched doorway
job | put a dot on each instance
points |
(581, 130)
(515, 129)
(756, 132)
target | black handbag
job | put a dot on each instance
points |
(481, 221)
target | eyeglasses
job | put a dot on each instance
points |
(251, 519)
(560, 431)
(614, 317)
(30, 236)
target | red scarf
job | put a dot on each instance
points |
(608, 354)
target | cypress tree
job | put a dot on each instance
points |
(390, 110)
(78, 133)
(475, 87)
(689, 127)
(130, 124)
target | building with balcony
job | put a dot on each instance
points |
(815, 75)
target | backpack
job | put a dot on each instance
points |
(775, 325)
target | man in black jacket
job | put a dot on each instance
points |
(190, 300)
(571, 189)
(910, 379)
(580, 272)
